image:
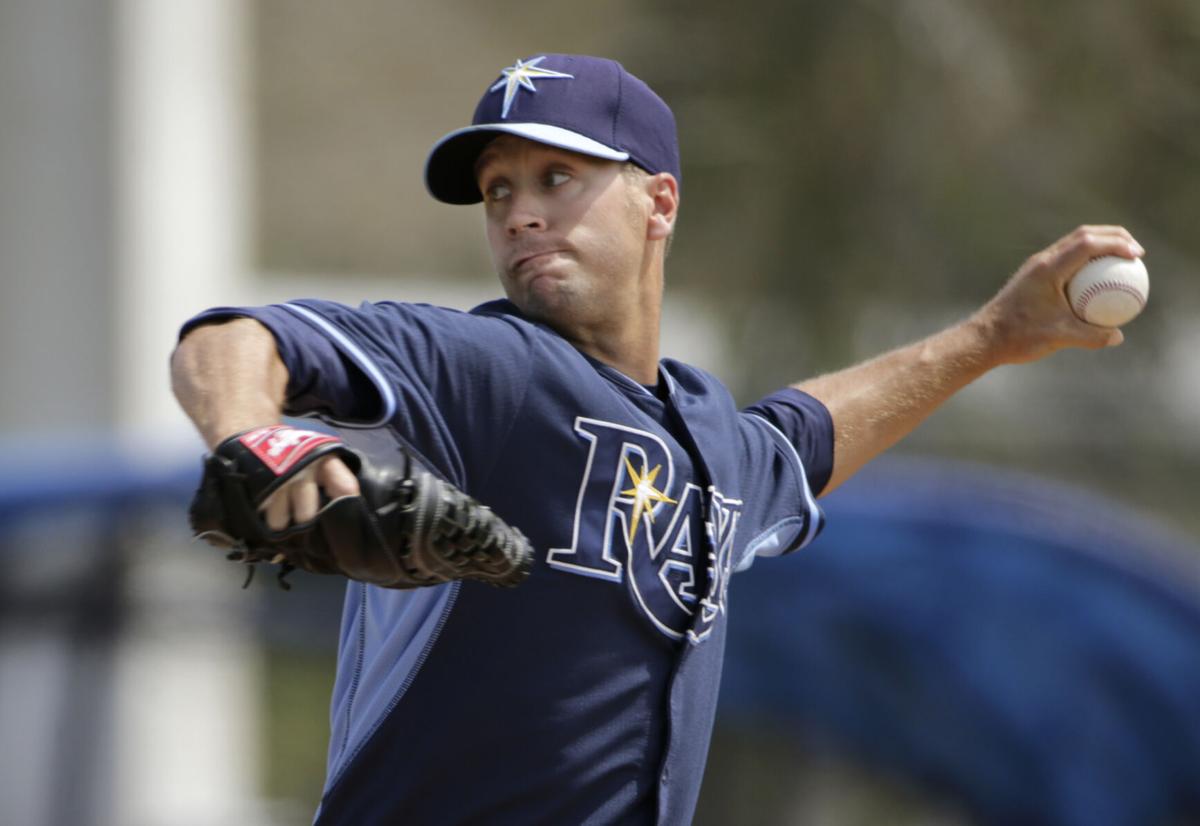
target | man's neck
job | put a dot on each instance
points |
(634, 353)
(630, 341)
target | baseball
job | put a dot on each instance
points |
(1109, 291)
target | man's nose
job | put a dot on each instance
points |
(526, 214)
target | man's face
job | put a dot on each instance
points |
(567, 233)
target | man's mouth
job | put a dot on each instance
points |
(529, 257)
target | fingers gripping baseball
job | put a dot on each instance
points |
(1031, 317)
(1088, 242)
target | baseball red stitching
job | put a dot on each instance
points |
(1081, 300)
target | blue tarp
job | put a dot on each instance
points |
(1031, 652)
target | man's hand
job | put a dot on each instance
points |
(1030, 317)
(300, 499)
(392, 523)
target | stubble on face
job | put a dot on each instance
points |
(593, 222)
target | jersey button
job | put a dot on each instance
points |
(666, 776)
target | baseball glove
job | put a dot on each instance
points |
(407, 529)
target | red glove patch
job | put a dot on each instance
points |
(279, 446)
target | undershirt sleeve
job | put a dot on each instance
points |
(787, 440)
(808, 427)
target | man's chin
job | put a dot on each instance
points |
(557, 309)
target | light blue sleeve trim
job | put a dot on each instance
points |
(360, 357)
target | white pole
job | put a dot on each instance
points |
(181, 160)
(188, 682)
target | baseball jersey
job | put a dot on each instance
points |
(587, 694)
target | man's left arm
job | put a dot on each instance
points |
(877, 403)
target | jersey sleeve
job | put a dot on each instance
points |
(326, 377)
(788, 437)
(448, 383)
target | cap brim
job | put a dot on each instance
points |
(450, 170)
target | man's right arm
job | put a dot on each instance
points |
(228, 377)
(878, 402)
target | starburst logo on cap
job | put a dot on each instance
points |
(522, 74)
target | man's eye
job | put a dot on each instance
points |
(557, 178)
(496, 191)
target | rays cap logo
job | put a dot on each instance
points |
(590, 105)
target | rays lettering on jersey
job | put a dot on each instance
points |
(635, 523)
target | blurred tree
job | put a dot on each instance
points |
(855, 175)
(915, 149)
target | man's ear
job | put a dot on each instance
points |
(664, 194)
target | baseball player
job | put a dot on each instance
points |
(586, 694)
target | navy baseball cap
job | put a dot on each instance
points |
(590, 105)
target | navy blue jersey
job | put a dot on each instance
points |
(587, 694)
